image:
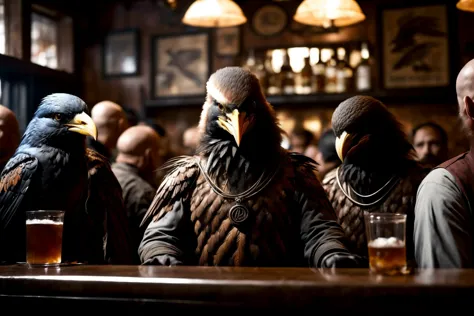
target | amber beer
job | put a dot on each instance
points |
(387, 255)
(44, 236)
(386, 234)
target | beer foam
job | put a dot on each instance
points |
(42, 222)
(382, 242)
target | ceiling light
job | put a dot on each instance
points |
(465, 5)
(329, 12)
(214, 13)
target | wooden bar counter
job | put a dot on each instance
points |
(212, 290)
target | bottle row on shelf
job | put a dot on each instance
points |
(312, 70)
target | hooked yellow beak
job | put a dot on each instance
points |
(340, 142)
(235, 123)
(83, 124)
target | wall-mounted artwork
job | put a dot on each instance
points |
(180, 65)
(269, 20)
(121, 53)
(228, 41)
(415, 50)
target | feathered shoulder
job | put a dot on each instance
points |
(303, 163)
(305, 178)
(97, 164)
(105, 202)
(180, 178)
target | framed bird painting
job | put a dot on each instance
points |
(415, 50)
(181, 65)
(121, 53)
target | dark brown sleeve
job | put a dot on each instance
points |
(105, 197)
(320, 232)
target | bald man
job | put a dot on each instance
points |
(137, 159)
(444, 211)
(9, 135)
(190, 140)
(111, 120)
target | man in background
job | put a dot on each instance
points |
(9, 135)
(300, 139)
(137, 159)
(431, 144)
(326, 157)
(111, 121)
(444, 211)
(190, 140)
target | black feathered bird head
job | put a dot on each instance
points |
(366, 129)
(236, 109)
(59, 120)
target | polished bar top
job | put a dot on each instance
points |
(257, 287)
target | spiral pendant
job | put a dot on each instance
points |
(238, 214)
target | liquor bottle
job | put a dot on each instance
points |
(273, 82)
(331, 74)
(287, 76)
(363, 73)
(306, 78)
(319, 73)
(345, 74)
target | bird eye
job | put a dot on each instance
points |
(220, 106)
(58, 117)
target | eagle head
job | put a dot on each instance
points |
(59, 119)
(234, 105)
(361, 121)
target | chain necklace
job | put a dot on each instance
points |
(239, 213)
(393, 181)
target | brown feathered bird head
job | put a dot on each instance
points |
(366, 129)
(236, 110)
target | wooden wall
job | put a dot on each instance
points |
(151, 20)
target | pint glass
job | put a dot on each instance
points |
(44, 237)
(386, 235)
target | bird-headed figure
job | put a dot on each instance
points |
(379, 172)
(242, 200)
(52, 170)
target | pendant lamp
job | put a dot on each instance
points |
(214, 13)
(465, 5)
(329, 13)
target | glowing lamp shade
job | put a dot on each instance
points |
(465, 5)
(214, 13)
(326, 12)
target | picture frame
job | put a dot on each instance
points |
(121, 53)
(181, 66)
(228, 41)
(415, 50)
(269, 20)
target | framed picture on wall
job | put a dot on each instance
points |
(181, 65)
(121, 53)
(415, 48)
(269, 20)
(228, 41)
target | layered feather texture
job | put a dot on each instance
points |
(272, 235)
(53, 170)
(379, 172)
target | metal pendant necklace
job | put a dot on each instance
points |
(390, 184)
(239, 213)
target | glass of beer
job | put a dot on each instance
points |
(44, 237)
(386, 235)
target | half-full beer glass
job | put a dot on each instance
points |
(386, 235)
(44, 237)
